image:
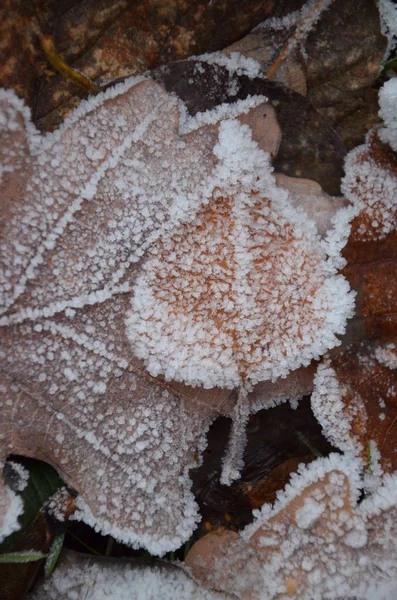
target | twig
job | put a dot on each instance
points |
(62, 67)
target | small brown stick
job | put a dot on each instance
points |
(62, 67)
(298, 35)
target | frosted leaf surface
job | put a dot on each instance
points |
(100, 191)
(388, 19)
(370, 184)
(81, 207)
(11, 507)
(354, 401)
(316, 542)
(106, 580)
(248, 290)
(388, 110)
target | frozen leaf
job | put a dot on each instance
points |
(247, 291)
(316, 542)
(361, 384)
(99, 578)
(371, 184)
(80, 208)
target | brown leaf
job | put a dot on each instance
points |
(315, 535)
(336, 72)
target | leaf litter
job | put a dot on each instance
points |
(44, 323)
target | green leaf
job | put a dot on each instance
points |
(21, 557)
(53, 554)
(43, 482)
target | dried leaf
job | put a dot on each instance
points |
(93, 578)
(315, 542)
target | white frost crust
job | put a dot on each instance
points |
(331, 412)
(305, 476)
(372, 190)
(388, 110)
(236, 63)
(175, 343)
(387, 355)
(388, 21)
(96, 581)
(11, 507)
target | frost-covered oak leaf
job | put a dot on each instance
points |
(317, 541)
(79, 208)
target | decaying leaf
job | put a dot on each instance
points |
(110, 39)
(336, 72)
(316, 542)
(360, 384)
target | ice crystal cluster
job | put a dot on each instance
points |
(370, 182)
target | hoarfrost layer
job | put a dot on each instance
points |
(316, 542)
(120, 582)
(249, 289)
(80, 207)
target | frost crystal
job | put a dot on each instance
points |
(11, 507)
(388, 111)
